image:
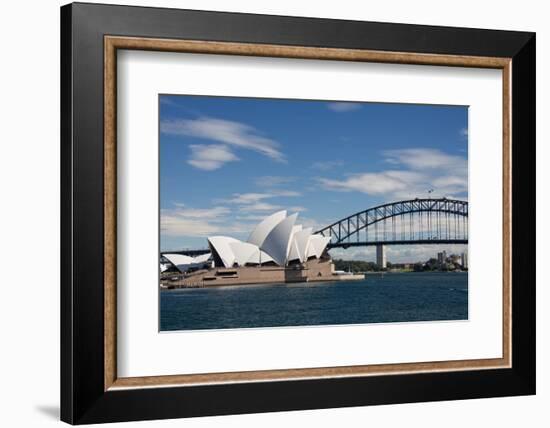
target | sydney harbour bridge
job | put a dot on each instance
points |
(409, 222)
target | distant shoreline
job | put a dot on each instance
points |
(413, 271)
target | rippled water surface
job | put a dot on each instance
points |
(391, 297)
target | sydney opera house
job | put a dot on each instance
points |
(278, 250)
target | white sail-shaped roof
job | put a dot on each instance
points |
(179, 259)
(202, 258)
(277, 238)
(301, 242)
(260, 257)
(317, 244)
(293, 253)
(277, 242)
(220, 244)
(243, 252)
(260, 232)
(181, 262)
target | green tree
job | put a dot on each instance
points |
(418, 267)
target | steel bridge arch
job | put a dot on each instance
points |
(345, 228)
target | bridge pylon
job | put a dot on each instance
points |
(381, 260)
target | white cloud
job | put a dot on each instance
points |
(420, 159)
(464, 133)
(246, 198)
(228, 132)
(342, 107)
(257, 202)
(420, 170)
(180, 226)
(375, 183)
(451, 184)
(210, 213)
(183, 221)
(210, 157)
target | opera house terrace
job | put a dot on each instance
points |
(277, 251)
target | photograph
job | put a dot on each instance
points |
(293, 212)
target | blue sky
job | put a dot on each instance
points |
(226, 162)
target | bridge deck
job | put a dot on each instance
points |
(398, 242)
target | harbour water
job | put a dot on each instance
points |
(388, 297)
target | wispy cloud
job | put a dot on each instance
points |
(251, 198)
(167, 101)
(261, 202)
(414, 172)
(285, 193)
(250, 217)
(183, 221)
(327, 165)
(464, 133)
(297, 209)
(342, 107)
(268, 208)
(210, 156)
(314, 223)
(230, 134)
(247, 198)
(211, 213)
(274, 181)
(260, 206)
(375, 183)
(421, 159)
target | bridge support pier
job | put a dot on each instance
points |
(381, 261)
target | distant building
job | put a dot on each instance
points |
(442, 257)
(381, 260)
(465, 260)
(455, 258)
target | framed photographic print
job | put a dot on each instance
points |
(265, 213)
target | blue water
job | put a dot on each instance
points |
(392, 297)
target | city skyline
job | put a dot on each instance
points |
(227, 162)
